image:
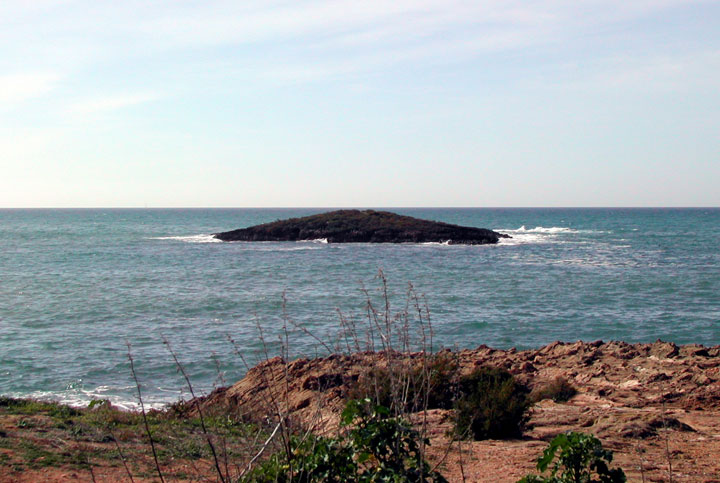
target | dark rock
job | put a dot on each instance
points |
(694, 350)
(355, 226)
(324, 382)
(658, 376)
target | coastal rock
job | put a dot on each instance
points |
(368, 226)
(638, 404)
(643, 382)
(664, 349)
(636, 425)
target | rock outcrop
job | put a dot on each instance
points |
(650, 403)
(368, 226)
(619, 373)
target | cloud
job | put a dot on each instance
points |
(693, 72)
(318, 41)
(21, 87)
(308, 37)
(379, 23)
(110, 103)
(145, 45)
(665, 72)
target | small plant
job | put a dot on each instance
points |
(581, 459)
(311, 459)
(492, 405)
(99, 404)
(376, 448)
(559, 390)
(387, 448)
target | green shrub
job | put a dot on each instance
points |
(492, 405)
(387, 449)
(375, 448)
(559, 390)
(311, 459)
(581, 459)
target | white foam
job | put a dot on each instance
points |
(81, 398)
(523, 239)
(540, 229)
(445, 243)
(320, 240)
(539, 234)
(281, 248)
(190, 238)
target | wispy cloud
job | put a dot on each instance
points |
(20, 87)
(463, 80)
(692, 71)
(110, 103)
(309, 37)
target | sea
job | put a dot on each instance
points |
(83, 290)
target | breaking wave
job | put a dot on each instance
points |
(539, 234)
(541, 229)
(190, 238)
(81, 397)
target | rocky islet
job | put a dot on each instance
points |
(363, 226)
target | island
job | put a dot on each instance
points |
(363, 226)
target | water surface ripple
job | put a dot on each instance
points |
(77, 284)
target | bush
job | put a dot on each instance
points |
(311, 459)
(559, 390)
(376, 448)
(492, 405)
(581, 458)
(411, 386)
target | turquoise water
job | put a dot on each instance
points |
(75, 285)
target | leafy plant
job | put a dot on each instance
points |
(492, 405)
(581, 459)
(309, 459)
(98, 403)
(376, 448)
(387, 449)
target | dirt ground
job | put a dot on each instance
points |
(656, 406)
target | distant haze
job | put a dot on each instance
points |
(359, 103)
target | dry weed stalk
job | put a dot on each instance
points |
(198, 408)
(122, 456)
(400, 343)
(667, 442)
(405, 350)
(142, 410)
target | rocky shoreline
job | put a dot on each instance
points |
(656, 406)
(650, 403)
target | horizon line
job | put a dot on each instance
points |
(357, 207)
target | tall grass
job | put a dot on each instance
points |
(405, 377)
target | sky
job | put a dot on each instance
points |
(359, 103)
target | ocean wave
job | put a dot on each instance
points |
(190, 238)
(541, 229)
(280, 248)
(539, 234)
(80, 398)
(523, 239)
